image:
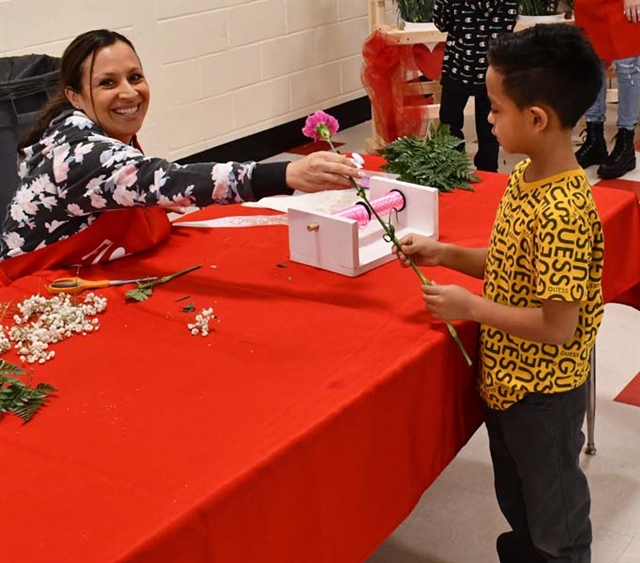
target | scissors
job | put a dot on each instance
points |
(76, 285)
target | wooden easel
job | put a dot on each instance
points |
(412, 87)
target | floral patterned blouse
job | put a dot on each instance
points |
(76, 172)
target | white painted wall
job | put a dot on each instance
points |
(219, 70)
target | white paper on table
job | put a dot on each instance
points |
(236, 221)
(328, 201)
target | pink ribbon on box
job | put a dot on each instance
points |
(357, 212)
(394, 200)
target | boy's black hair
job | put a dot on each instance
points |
(548, 64)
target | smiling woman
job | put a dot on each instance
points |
(88, 194)
(115, 93)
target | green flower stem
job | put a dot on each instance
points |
(390, 231)
(145, 290)
(168, 278)
(333, 148)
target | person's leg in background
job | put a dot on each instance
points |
(594, 149)
(452, 104)
(487, 156)
(623, 156)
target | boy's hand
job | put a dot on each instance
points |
(448, 302)
(424, 250)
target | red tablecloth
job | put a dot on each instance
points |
(304, 428)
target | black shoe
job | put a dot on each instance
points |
(517, 548)
(594, 148)
(623, 157)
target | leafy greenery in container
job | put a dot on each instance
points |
(538, 7)
(430, 161)
(415, 11)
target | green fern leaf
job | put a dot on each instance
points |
(433, 161)
(18, 397)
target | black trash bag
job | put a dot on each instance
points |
(26, 84)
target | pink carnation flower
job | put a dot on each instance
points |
(320, 126)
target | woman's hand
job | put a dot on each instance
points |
(632, 10)
(423, 250)
(448, 302)
(322, 170)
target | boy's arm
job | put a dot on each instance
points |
(554, 322)
(425, 251)
(469, 261)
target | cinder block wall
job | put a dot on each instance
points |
(219, 70)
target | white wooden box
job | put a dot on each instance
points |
(337, 243)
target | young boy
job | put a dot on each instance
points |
(542, 302)
(470, 24)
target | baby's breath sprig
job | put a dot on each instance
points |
(321, 125)
(201, 325)
(41, 322)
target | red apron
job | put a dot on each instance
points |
(612, 35)
(112, 235)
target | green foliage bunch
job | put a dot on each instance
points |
(430, 161)
(18, 397)
(538, 7)
(415, 11)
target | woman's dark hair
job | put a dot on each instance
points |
(548, 64)
(83, 46)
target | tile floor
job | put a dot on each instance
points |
(457, 518)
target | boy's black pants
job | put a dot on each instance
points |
(452, 105)
(542, 492)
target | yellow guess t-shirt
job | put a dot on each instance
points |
(546, 243)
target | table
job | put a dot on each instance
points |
(303, 429)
